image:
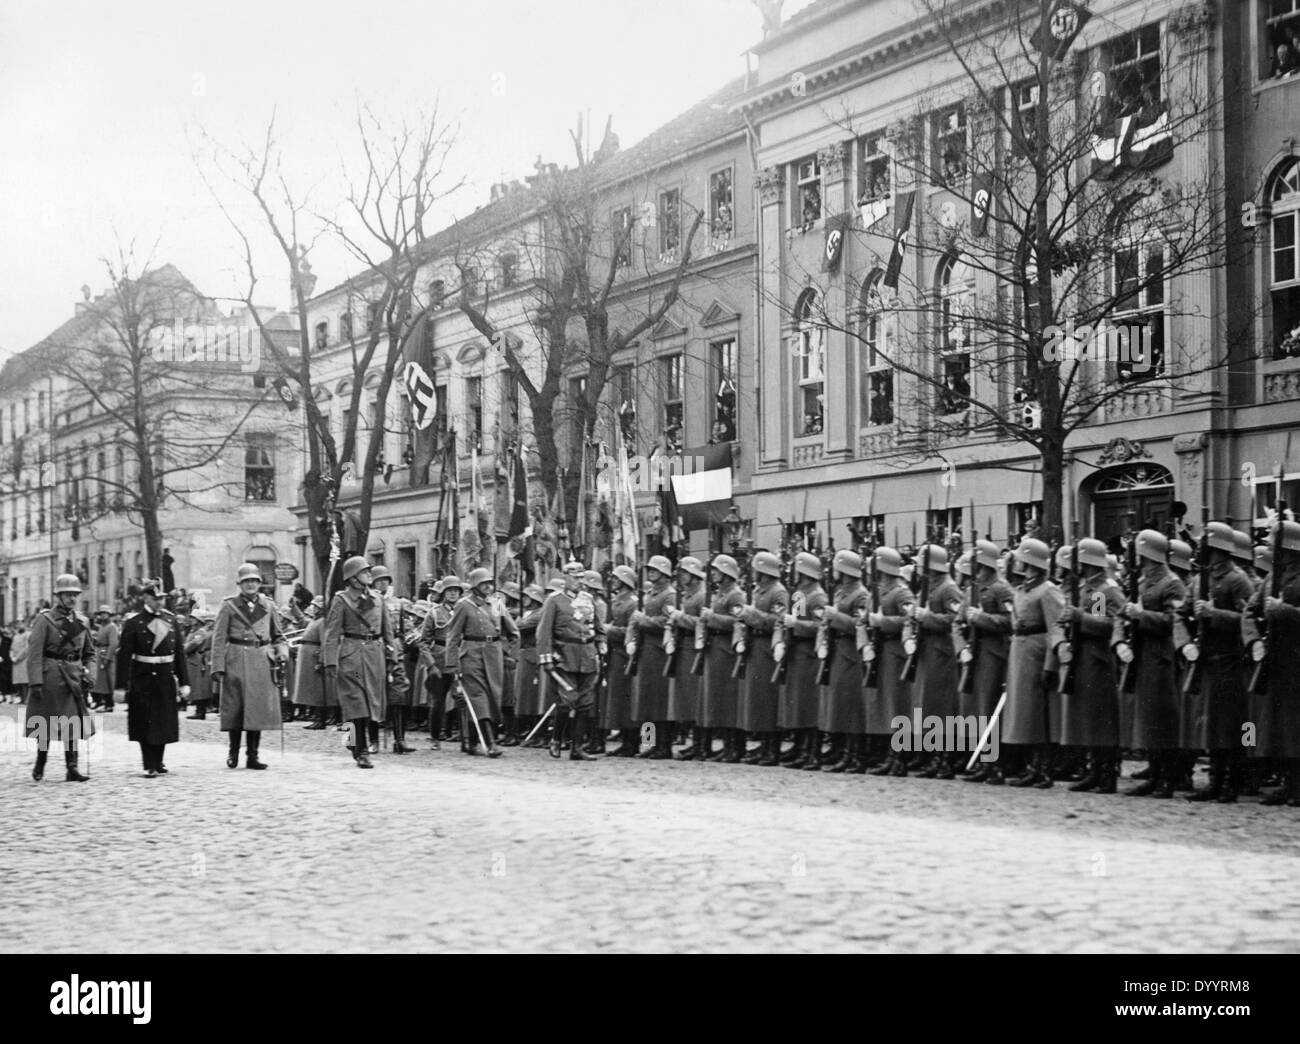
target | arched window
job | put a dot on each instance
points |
(877, 334)
(1137, 289)
(345, 327)
(1284, 259)
(956, 286)
(810, 350)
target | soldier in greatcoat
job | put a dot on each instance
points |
(1151, 651)
(570, 644)
(718, 689)
(151, 673)
(894, 697)
(935, 689)
(510, 595)
(1032, 717)
(759, 697)
(841, 710)
(476, 661)
(398, 696)
(60, 657)
(616, 711)
(106, 635)
(800, 701)
(248, 647)
(198, 652)
(1276, 708)
(309, 679)
(682, 611)
(651, 691)
(354, 650)
(990, 630)
(433, 651)
(528, 693)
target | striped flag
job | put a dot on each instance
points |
(703, 487)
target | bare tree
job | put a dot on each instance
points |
(1055, 189)
(153, 397)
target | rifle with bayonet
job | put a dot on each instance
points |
(868, 638)
(1259, 681)
(1066, 687)
(823, 643)
(778, 629)
(740, 663)
(912, 633)
(1192, 682)
(634, 657)
(1128, 677)
(670, 631)
(966, 685)
(702, 633)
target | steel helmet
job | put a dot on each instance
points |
(1092, 552)
(380, 572)
(556, 584)
(103, 610)
(1264, 559)
(660, 565)
(766, 564)
(889, 561)
(626, 575)
(449, 582)
(936, 561)
(963, 563)
(809, 565)
(986, 553)
(692, 565)
(1243, 548)
(354, 566)
(1180, 555)
(1152, 545)
(592, 579)
(480, 576)
(67, 584)
(247, 571)
(1064, 556)
(534, 592)
(847, 562)
(510, 589)
(1291, 536)
(726, 565)
(1220, 535)
(1032, 552)
(574, 567)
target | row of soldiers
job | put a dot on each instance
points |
(846, 655)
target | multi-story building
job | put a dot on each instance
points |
(224, 444)
(682, 382)
(851, 101)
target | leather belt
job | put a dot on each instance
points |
(575, 641)
(361, 637)
(439, 642)
(1026, 631)
(255, 642)
(65, 657)
(151, 659)
(474, 638)
(309, 643)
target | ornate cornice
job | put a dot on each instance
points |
(769, 181)
(1193, 20)
(834, 160)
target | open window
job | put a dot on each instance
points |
(1279, 39)
(1284, 260)
(810, 353)
(877, 326)
(956, 288)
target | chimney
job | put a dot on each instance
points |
(496, 192)
(80, 306)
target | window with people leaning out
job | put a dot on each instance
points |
(1279, 39)
(1284, 260)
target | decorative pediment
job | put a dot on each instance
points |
(472, 352)
(667, 329)
(718, 313)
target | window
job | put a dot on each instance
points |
(1133, 78)
(101, 496)
(322, 334)
(474, 407)
(621, 225)
(721, 212)
(440, 414)
(27, 415)
(674, 418)
(345, 327)
(1024, 116)
(40, 410)
(956, 287)
(810, 350)
(259, 467)
(119, 575)
(670, 224)
(873, 170)
(1280, 38)
(950, 146)
(723, 355)
(877, 331)
(808, 191)
(1284, 260)
(1138, 296)
(101, 571)
(943, 523)
(508, 267)
(374, 316)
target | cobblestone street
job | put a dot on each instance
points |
(441, 852)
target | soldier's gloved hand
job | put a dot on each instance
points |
(1202, 607)
(705, 615)
(1191, 652)
(1125, 652)
(1132, 609)
(875, 619)
(1272, 605)
(790, 620)
(1064, 652)
(972, 612)
(920, 612)
(119, 694)
(778, 651)
(1257, 650)
(185, 692)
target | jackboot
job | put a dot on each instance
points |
(1091, 778)
(399, 732)
(509, 728)
(795, 751)
(200, 711)
(232, 756)
(735, 747)
(663, 746)
(841, 763)
(581, 723)
(627, 744)
(928, 767)
(320, 720)
(360, 755)
(557, 732)
(814, 760)
(948, 764)
(489, 738)
(687, 753)
(1044, 780)
(38, 771)
(1169, 771)
(70, 760)
(1108, 772)
(1212, 792)
(254, 742)
(981, 774)
(756, 757)
(1033, 773)
(995, 778)
(1231, 780)
(886, 767)
(771, 751)
(1151, 782)
(798, 757)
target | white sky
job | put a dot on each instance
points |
(100, 105)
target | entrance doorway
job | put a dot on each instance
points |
(1143, 490)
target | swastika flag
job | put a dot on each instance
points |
(419, 389)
